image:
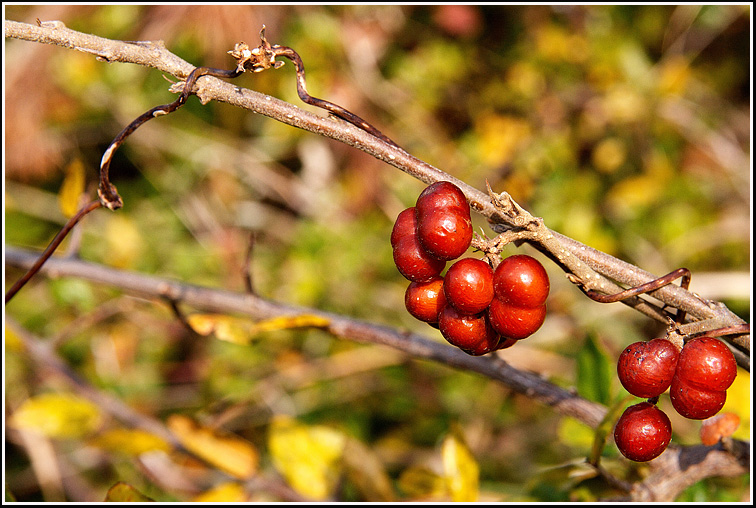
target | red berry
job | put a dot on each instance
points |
(406, 224)
(521, 280)
(645, 369)
(444, 233)
(695, 403)
(413, 262)
(442, 195)
(424, 300)
(706, 363)
(515, 322)
(471, 333)
(642, 432)
(468, 285)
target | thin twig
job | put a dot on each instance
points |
(51, 248)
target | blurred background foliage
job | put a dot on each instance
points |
(624, 127)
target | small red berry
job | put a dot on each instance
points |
(471, 333)
(515, 322)
(706, 363)
(413, 262)
(468, 285)
(695, 403)
(645, 369)
(444, 233)
(521, 280)
(442, 195)
(642, 432)
(424, 300)
(406, 224)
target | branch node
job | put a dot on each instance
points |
(255, 59)
(55, 24)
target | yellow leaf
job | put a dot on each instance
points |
(229, 492)
(628, 196)
(609, 155)
(287, 322)
(131, 442)
(308, 457)
(674, 75)
(460, 469)
(72, 188)
(241, 330)
(499, 137)
(227, 328)
(124, 241)
(421, 482)
(125, 493)
(12, 341)
(739, 402)
(229, 453)
(58, 415)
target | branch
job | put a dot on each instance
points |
(223, 301)
(682, 466)
(596, 270)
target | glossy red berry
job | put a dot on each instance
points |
(442, 195)
(406, 224)
(443, 220)
(645, 369)
(515, 322)
(695, 403)
(468, 285)
(706, 363)
(413, 262)
(521, 280)
(642, 432)
(444, 233)
(471, 333)
(424, 300)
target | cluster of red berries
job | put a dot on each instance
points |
(698, 378)
(476, 308)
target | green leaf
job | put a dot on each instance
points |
(595, 371)
(605, 427)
